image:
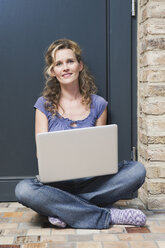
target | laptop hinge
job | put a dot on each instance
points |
(134, 154)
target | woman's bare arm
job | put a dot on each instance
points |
(41, 122)
(102, 120)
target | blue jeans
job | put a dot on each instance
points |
(82, 203)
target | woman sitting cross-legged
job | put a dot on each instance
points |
(69, 101)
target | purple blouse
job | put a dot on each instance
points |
(57, 122)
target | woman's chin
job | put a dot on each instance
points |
(69, 82)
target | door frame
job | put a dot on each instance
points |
(9, 183)
(132, 22)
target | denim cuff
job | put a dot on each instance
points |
(107, 220)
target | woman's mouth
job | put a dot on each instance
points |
(66, 75)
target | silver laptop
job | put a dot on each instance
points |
(77, 153)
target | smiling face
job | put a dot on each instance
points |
(66, 67)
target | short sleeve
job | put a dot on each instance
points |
(40, 105)
(100, 104)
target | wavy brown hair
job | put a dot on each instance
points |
(52, 89)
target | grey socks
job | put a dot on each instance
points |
(118, 216)
(127, 217)
(56, 222)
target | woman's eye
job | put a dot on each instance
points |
(70, 61)
(58, 64)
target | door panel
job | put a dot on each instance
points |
(28, 31)
(120, 73)
(103, 30)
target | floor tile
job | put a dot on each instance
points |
(51, 238)
(23, 219)
(15, 205)
(143, 244)
(114, 230)
(6, 240)
(154, 236)
(105, 237)
(2, 232)
(45, 231)
(137, 230)
(123, 226)
(4, 204)
(157, 229)
(9, 246)
(12, 214)
(27, 239)
(63, 231)
(22, 227)
(87, 231)
(3, 210)
(161, 244)
(28, 226)
(89, 245)
(8, 225)
(80, 237)
(23, 209)
(4, 220)
(130, 236)
(161, 222)
(152, 223)
(155, 216)
(12, 232)
(35, 245)
(62, 245)
(115, 244)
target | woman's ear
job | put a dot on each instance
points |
(81, 65)
(52, 72)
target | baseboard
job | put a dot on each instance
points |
(8, 184)
(7, 188)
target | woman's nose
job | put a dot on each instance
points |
(65, 66)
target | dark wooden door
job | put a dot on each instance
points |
(103, 30)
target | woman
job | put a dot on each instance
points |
(69, 101)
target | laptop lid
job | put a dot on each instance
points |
(77, 153)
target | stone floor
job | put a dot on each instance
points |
(21, 227)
